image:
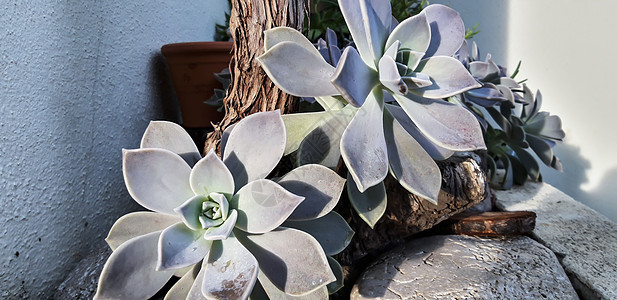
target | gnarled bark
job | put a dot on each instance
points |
(251, 90)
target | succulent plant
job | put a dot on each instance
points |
(512, 123)
(497, 86)
(409, 65)
(217, 223)
(224, 77)
(520, 131)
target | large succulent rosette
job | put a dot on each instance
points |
(382, 99)
(217, 223)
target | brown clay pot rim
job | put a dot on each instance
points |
(194, 47)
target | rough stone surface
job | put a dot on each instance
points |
(584, 240)
(461, 267)
(81, 283)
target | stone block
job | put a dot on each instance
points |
(462, 267)
(584, 240)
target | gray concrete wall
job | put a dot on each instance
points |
(79, 81)
(567, 49)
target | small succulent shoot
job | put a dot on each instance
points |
(518, 132)
(497, 86)
(384, 111)
(224, 77)
(219, 224)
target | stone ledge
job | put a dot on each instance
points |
(463, 267)
(584, 240)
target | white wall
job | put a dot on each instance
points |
(79, 81)
(568, 51)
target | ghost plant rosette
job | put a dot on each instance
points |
(217, 222)
(411, 62)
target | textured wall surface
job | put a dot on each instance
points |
(567, 51)
(78, 82)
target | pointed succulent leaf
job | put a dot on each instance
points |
(410, 58)
(289, 268)
(447, 30)
(508, 178)
(517, 136)
(157, 179)
(272, 292)
(223, 231)
(208, 223)
(462, 54)
(529, 162)
(548, 127)
(172, 137)
(195, 292)
(180, 247)
(410, 164)
(414, 33)
(519, 172)
(129, 272)
(298, 126)
(338, 272)
(447, 125)
(499, 119)
(377, 22)
(507, 93)
(531, 108)
(540, 147)
(392, 50)
(321, 187)
(180, 290)
(369, 205)
(190, 211)
(322, 145)
(211, 175)
(363, 146)
(556, 164)
(263, 205)
(297, 70)
(331, 231)
(135, 224)
(448, 75)
(367, 28)
(225, 137)
(231, 271)
(221, 200)
(489, 92)
(416, 80)
(274, 36)
(435, 151)
(330, 103)
(354, 79)
(389, 76)
(509, 83)
(247, 155)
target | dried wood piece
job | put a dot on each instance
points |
(251, 90)
(494, 223)
(463, 185)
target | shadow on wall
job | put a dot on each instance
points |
(603, 198)
(162, 96)
(575, 167)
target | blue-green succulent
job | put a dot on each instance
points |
(219, 224)
(383, 99)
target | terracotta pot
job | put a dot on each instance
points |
(192, 66)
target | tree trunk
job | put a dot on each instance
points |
(251, 90)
